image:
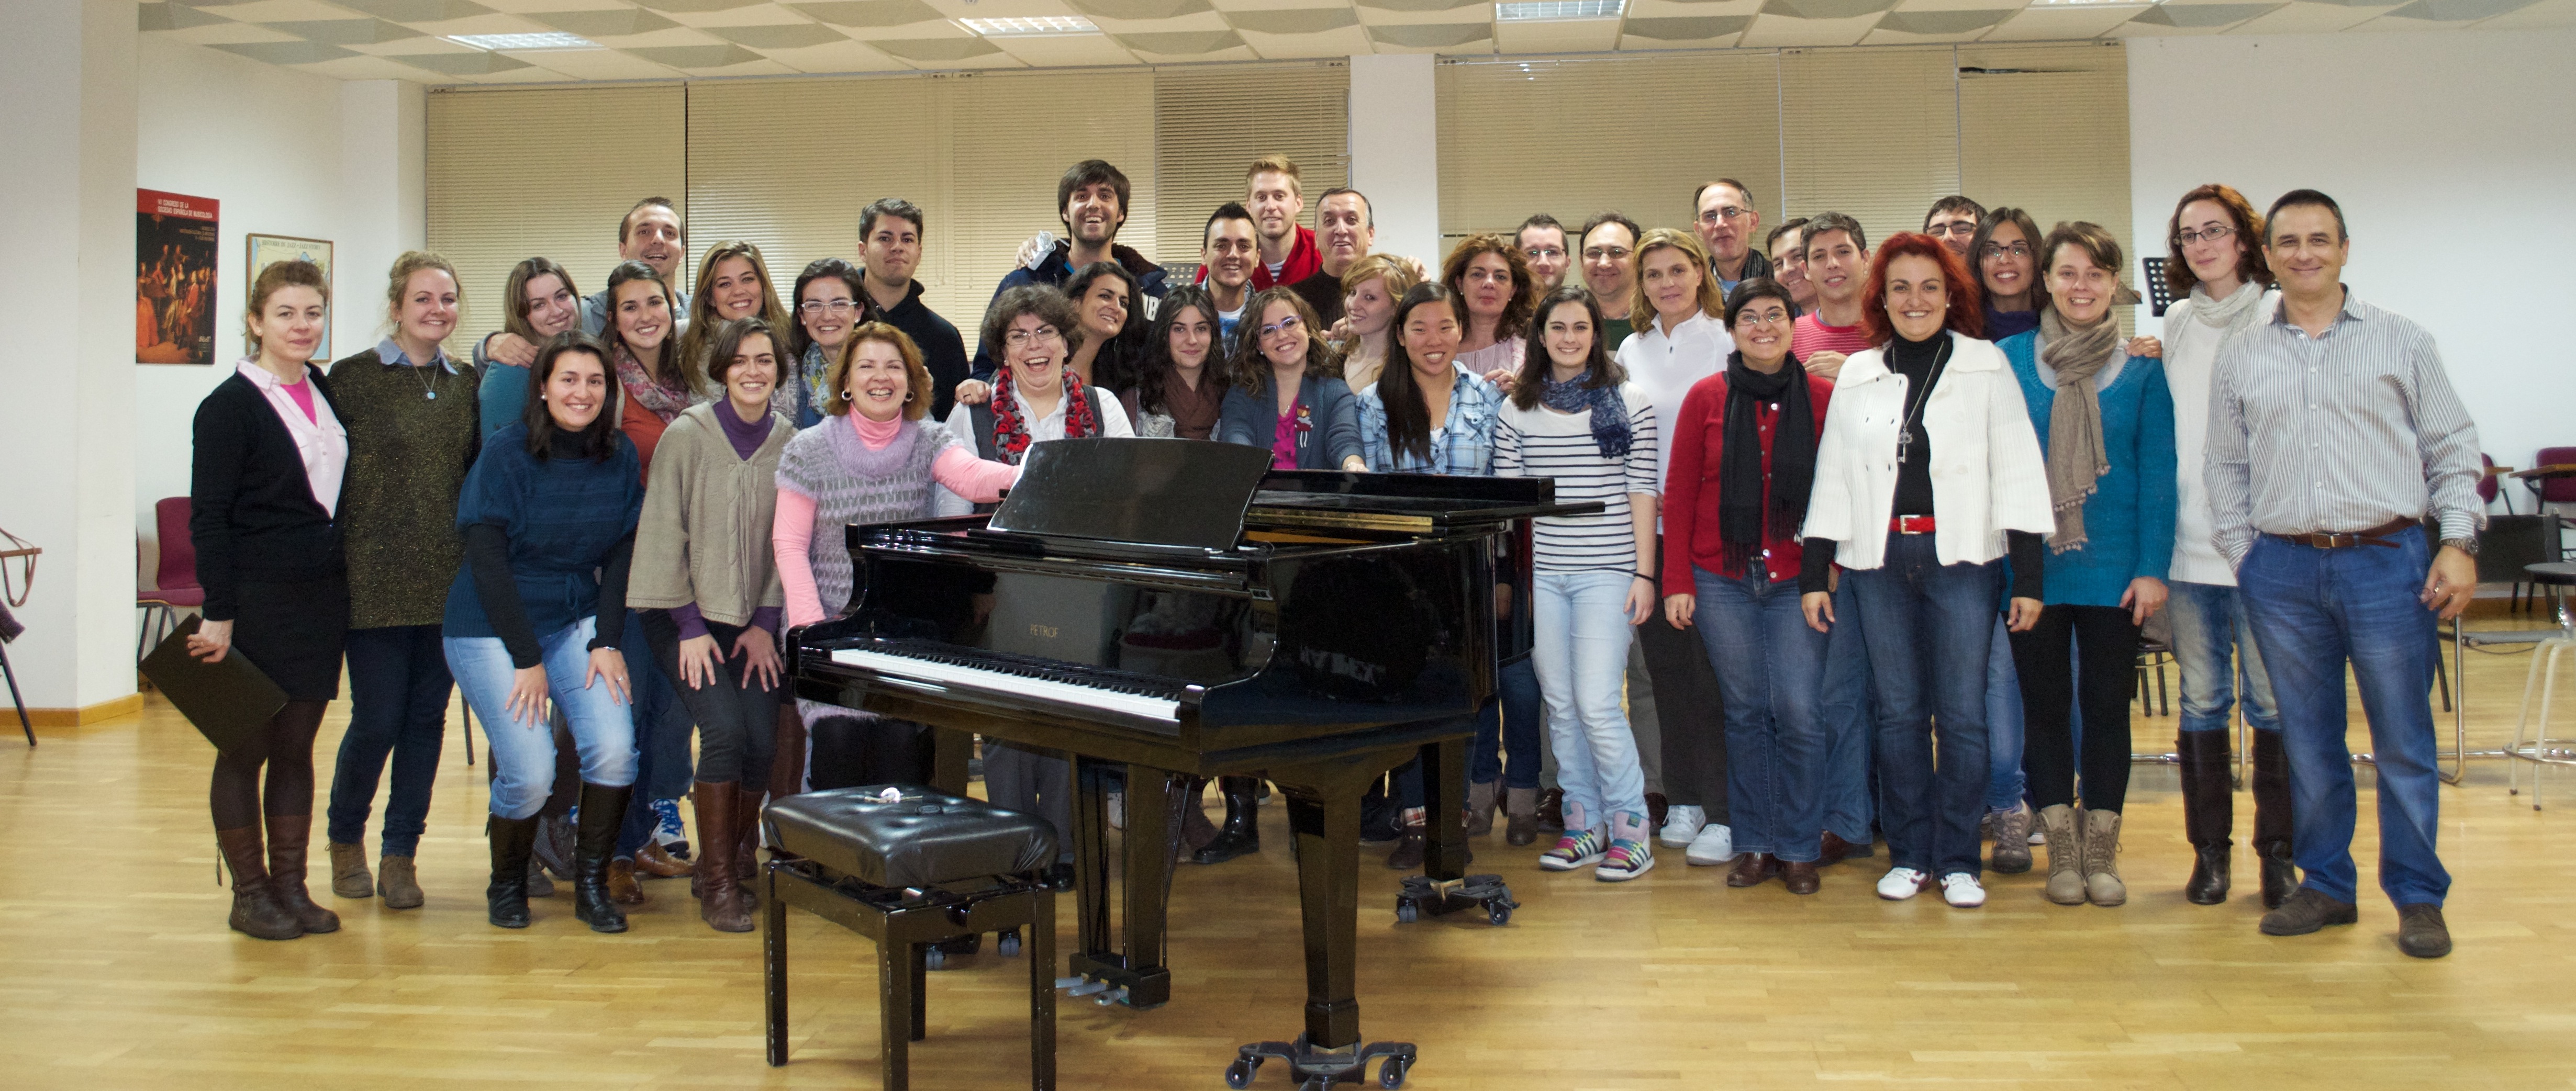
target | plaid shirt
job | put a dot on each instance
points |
(1463, 444)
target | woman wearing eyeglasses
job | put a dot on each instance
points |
(2006, 252)
(1285, 395)
(829, 304)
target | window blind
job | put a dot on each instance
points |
(2070, 99)
(1210, 122)
(1870, 133)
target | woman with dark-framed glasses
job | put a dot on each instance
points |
(829, 304)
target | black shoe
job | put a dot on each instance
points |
(513, 841)
(602, 810)
(1410, 851)
(2421, 932)
(2280, 875)
(2307, 911)
(1381, 821)
(1242, 832)
(2209, 879)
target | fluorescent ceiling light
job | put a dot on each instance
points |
(1534, 11)
(2094, 3)
(1030, 26)
(552, 39)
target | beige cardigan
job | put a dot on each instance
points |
(704, 537)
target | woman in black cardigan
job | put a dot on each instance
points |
(265, 490)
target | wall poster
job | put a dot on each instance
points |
(174, 278)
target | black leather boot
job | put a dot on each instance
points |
(2272, 819)
(602, 809)
(2208, 813)
(1242, 831)
(514, 840)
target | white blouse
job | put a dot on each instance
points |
(321, 441)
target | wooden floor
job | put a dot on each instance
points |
(116, 970)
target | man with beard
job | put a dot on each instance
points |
(1092, 200)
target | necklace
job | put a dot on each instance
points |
(428, 391)
(1905, 430)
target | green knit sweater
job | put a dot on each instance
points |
(408, 454)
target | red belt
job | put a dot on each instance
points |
(2375, 536)
(1910, 524)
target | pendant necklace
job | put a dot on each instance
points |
(427, 391)
(1905, 428)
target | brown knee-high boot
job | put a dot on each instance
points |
(289, 836)
(746, 846)
(720, 902)
(2272, 818)
(2208, 813)
(256, 911)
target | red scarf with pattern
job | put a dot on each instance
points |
(1011, 431)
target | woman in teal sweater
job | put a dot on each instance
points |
(2105, 423)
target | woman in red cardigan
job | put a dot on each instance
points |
(1735, 496)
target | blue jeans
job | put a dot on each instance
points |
(1930, 627)
(660, 723)
(1770, 676)
(2208, 625)
(523, 753)
(2313, 610)
(1507, 727)
(2003, 723)
(1850, 712)
(398, 687)
(1582, 659)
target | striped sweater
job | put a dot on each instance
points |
(1540, 442)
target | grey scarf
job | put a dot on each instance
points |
(2232, 314)
(2076, 461)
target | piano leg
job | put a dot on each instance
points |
(1091, 860)
(1148, 870)
(949, 752)
(1446, 887)
(1099, 967)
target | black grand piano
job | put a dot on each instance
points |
(1165, 610)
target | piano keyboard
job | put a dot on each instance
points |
(1014, 684)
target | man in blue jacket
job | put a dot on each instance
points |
(1091, 199)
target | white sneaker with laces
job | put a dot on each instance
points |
(1682, 823)
(1715, 845)
(1961, 890)
(1902, 883)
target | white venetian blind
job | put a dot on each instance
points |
(2045, 128)
(1870, 133)
(1575, 137)
(519, 174)
(1212, 122)
(1003, 172)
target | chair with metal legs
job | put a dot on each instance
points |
(2543, 675)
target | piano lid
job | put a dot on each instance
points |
(1410, 503)
(1150, 491)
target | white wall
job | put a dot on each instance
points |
(2453, 154)
(1395, 151)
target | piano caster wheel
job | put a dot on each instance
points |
(1238, 1073)
(1010, 944)
(1498, 914)
(934, 959)
(1404, 911)
(1422, 897)
(1391, 1073)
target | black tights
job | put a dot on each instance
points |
(286, 748)
(2106, 646)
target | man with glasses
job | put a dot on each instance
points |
(1724, 216)
(890, 234)
(1230, 250)
(1542, 243)
(2334, 440)
(1953, 220)
(1609, 252)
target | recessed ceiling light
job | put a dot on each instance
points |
(1029, 26)
(552, 39)
(1534, 11)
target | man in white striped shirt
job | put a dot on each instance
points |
(2334, 438)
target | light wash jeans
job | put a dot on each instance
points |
(523, 753)
(1770, 670)
(2208, 624)
(1582, 659)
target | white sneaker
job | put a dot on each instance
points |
(1958, 888)
(1715, 845)
(1117, 810)
(1902, 883)
(1682, 823)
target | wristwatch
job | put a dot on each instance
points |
(2464, 545)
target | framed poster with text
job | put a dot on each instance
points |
(174, 278)
(267, 250)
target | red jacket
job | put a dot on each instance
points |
(1691, 538)
(1304, 260)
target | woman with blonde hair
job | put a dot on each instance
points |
(733, 282)
(1370, 289)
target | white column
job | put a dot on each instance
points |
(67, 298)
(1395, 150)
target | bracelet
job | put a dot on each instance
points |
(1647, 578)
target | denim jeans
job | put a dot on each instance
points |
(1582, 658)
(398, 687)
(1930, 628)
(1771, 670)
(523, 752)
(2313, 610)
(1849, 708)
(660, 722)
(2003, 722)
(1506, 746)
(2208, 625)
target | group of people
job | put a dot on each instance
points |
(1879, 528)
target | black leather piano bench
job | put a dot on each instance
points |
(908, 867)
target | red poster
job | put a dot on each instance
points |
(174, 278)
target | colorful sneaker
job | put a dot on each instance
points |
(1902, 883)
(1962, 890)
(1626, 860)
(1572, 851)
(673, 837)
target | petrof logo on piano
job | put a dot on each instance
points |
(1046, 631)
(1330, 662)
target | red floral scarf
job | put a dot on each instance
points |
(1011, 433)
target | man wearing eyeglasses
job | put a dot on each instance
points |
(1725, 219)
(1542, 243)
(890, 235)
(1953, 220)
(1230, 251)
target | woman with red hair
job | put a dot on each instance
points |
(1928, 472)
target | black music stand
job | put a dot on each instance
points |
(24, 724)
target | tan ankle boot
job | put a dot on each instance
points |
(349, 878)
(2102, 885)
(398, 882)
(2065, 854)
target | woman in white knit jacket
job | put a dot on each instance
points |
(1928, 469)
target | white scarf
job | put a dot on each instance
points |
(2232, 314)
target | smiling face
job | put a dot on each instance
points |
(1275, 205)
(1725, 220)
(736, 288)
(1672, 282)
(2307, 249)
(1569, 336)
(1544, 249)
(1103, 307)
(1431, 336)
(2217, 250)
(753, 373)
(1093, 213)
(1369, 306)
(1342, 230)
(643, 316)
(827, 310)
(1610, 262)
(876, 382)
(575, 390)
(1763, 330)
(1918, 297)
(1486, 285)
(2008, 265)
(428, 307)
(1036, 351)
(2079, 289)
(1282, 335)
(1837, 266)
(1230, 253)
(1789, 267)
(1193, 334)
(653, 237)
(289, 323)
(551, 306)
(892, 250)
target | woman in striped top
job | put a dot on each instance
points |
(1573, 417)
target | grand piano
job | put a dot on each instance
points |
(1163, 610)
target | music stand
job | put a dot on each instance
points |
(2159, 292)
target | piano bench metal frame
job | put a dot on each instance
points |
(904, 923)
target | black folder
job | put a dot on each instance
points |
(230, 702)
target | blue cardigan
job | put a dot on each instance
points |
(2129, 519)
(1250, 417)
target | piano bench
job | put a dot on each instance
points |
(909, 867)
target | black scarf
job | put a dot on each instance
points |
(1740, 523)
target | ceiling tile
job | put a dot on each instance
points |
(222, 33)
(2308, 18)
(870, 13)
(1340, 42)
(1066, 50)
(1943, 22)
(1693, 7)
(286, 52)
(935, 50)
(667, 36)
(372, 68)
(1181, 43)
(413, 47)
(695, 7)
(1139, 9)
(470, 63)
(596, 64)
(173, 17)
(348, 31)
(602, 24)
(1431, 35)
(2201, 16)
(1419, 5)
(779, 35)
(837, 57)
(1293, 20)
(280, 11)
(1826, 9)
(1557, 36)
(1973, 5)
(2546, 13)
(416, 11)
(2058, 24)
(695, 56)
(2456, 11)
(1688, 28)
(526, 7)
(1774, 31)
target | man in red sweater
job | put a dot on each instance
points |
(1276, 197)
(1838, 265)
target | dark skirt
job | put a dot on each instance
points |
(294, 632)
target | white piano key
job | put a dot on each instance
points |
(1007, 683)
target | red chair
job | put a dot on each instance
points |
(174, 580)
(2554, 490)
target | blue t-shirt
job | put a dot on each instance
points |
(562, 516)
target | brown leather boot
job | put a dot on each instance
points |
(1520, 810)
(720, 903)
(1480, 808)
(288, 837)
(746, 847)
(656, 861)
(256, 911)
(621, 883)
(349, 877)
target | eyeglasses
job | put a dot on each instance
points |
(1773, 317)
(837, 308)
(1544, 253)
(1607, 253)
(1290, 324)
(1025, 338)
(2188, 236)
(1720, 214)
(1959, 228)
(2002, 250)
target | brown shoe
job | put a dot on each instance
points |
(256, 912)
(1480, 808)
(288, 836)
(1800, 877)
(1835, 848)
(622, 887)
(1752, 868)
(398, 882)
(652, 860)
(1520, 809)
(1411, 849)
(1551, 810)
(349, 878)
(2421, 931)
(720, 902)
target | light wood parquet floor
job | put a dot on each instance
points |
(116, 970)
